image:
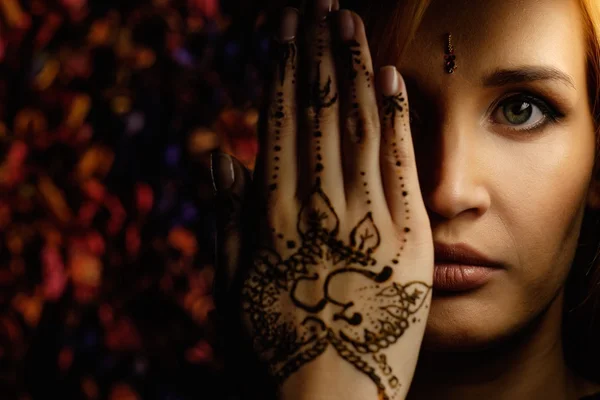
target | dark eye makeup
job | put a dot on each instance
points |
(521, 112)
(515, 112)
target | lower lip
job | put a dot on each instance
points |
(460, 278)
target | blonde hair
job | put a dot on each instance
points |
(391, 26)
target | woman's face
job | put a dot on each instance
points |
(515, 195)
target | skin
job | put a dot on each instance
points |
(517, 197)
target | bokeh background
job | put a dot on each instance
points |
(109, 110)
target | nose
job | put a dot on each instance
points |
(452, 172)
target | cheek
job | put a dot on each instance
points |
(541, 202)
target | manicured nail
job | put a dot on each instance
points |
(346, 25)
(389, 79)
(221, 171)
(324, 8)
(289, 24)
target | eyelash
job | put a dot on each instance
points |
(551, 114)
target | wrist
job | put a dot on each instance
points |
(328, 377)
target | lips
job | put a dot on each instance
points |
(459, 267)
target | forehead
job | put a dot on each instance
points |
(498, 33)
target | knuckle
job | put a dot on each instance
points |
(311, 113)
(277, 216)
(398, 159)
(360, 127)
(282, 117)
(388, 157)
(328, 118)
(371, 125)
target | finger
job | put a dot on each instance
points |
(275, 174)
(322, 138)
(233, 187)
(360, 115)
(231, 181)
(397, 157)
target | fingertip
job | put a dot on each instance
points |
(243, 176)
(228, 174)
(389, 80)
(401, 83)
(347, 28)
(289, 24)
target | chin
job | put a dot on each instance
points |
(465, 323)
(461, 340)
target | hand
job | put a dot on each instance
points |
(342, 252)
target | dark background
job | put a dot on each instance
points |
(108, 113)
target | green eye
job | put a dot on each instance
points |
(524, 112)
(518, 112)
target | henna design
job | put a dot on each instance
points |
(305, 282)
(386, 370)
(361, 328)
(392, 105)
(284, 53)
(351, 63)
(352, 66)
(278, 115)
(350, 55)
(320, 98)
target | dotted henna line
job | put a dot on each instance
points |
(317, 132)
(391, 106)
(286, 57)
(355, 65)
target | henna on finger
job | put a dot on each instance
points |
(283, 100)
(352, 65)
(285, 56)
(360, 115)
(320, 98)
(275, 176)
(356, 75)
(395, 111)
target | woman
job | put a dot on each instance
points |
(446, 251)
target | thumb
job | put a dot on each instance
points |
(231, 184)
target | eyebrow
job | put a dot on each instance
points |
(503, 77)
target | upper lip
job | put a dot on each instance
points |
(461, 253)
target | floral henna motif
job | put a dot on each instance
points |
(361, 330)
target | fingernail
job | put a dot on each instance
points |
(346, 25)
(324, 8)
(389, 80)
(221, 171)
(289, 24)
